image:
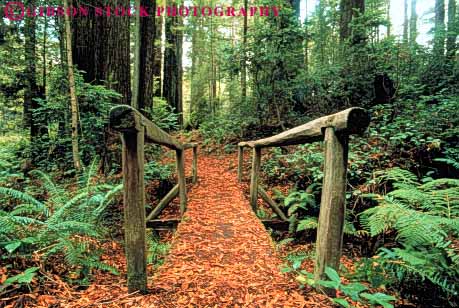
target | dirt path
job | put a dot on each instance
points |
(222, 255)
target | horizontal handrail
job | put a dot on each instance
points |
(350, 121)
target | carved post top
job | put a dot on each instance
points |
(124, 118)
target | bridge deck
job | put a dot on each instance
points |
(222, 256)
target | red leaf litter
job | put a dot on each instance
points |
(222, 255)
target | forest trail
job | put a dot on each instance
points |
(222, 255)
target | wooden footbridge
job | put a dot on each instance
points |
(220, 216)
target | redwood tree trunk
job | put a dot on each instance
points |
(143, 87)
(72, 88)
(439, 35)
(101, 48)
(453, 20)
(157, 67)
(349, 10)
(172, 83)
(31, 89)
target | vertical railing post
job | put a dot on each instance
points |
(256, 160)
(240, 161)
(332, 207)
(194, 167)
(134, 210)
(181, 180)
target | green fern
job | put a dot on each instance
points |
(67, 223)
(449, 161)
(424, 219)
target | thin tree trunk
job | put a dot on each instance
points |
(172, 82)
(349, 10)
(405, 21)
(306, 41)
(413, 23)
(144, 68)
(73, 97)
(389, 25)
(244, 58)
(345, 19)
(451, 46)
(2, 28)
(137, 59)
(30, 73)
(45, 41)
(439, 35)
(157, 67)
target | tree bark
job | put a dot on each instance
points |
(389, 25)
(349, 10)
(157, 67)
(144, 68)
(172, 85)
(30, 73)
(453, 20)
(413, 23)
(73, 97)
(101, 48)
(439, 35)
(244, 58)
(405, 21)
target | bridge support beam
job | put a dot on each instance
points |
(332, 207)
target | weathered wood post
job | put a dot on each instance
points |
(135, 130)
(336, 128)
(194, 167)
(256, 160)
(332, 207)
(134, 210)
(181, 179)
(240, 161)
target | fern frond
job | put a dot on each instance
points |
(400, 177)
(306, 224)
(24, 198)
(54, 190)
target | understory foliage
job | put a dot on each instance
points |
(419, 221)
(50, 220)
(52, 149)
(402, 199)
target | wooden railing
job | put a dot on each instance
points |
(334, 130)
(135, 131)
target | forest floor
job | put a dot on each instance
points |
(221, 256)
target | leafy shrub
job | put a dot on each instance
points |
(302, 166)
(163, 115)
(156, 250)
(157, 171)
(221, 129)
(9, 163)
(355, 291)
(53, 148)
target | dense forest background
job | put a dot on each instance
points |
(218, 81)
